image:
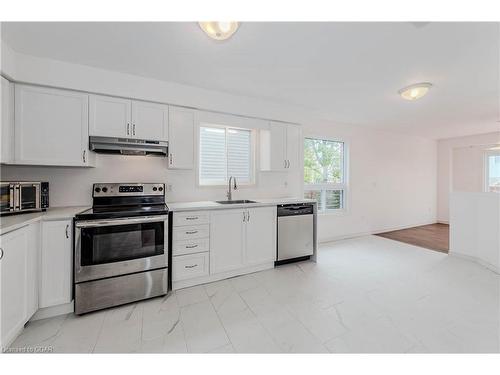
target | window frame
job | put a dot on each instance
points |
(344, 185)
(253, 174)
(486, 163)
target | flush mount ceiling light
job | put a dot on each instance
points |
(416, 91)
(219, 30)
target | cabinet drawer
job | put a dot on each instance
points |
(191, 218)
(190, 232)
(190, 246)
(189, 266)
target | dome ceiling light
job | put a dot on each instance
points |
(416, 91)
(219, 30)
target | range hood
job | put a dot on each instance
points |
(126, 146)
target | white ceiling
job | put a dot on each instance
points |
(348, 72)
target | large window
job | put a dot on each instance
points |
(493, 172)
(324, 173)
(225, 152)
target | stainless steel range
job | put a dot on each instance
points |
(121, 246)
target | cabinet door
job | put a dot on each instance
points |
(51, 126)
(273, 147)
(13, 284)
(109, 116)
(292, 146)
(7, 122)
(226, 240)
(56, 263)
(260, 236)
(181, 138)
(150, 121)
(32, 269)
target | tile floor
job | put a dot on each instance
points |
(368, 294)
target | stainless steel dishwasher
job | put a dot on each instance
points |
(295, 232)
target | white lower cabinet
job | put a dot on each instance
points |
(260, 236)
(241, 238)
(190, 266)
(56, 263)
(18, 280)
(224, 243)
(227, 240)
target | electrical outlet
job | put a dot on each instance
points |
(169, 187)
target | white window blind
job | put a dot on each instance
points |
(225, 152)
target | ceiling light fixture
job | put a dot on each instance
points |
(219, 30)
(416, 91)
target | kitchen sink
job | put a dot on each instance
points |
(236, 201)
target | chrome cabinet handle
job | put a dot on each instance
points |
(128, 128)
(194, 265)
(133, 129)
(288, 164)
(248, 215)
(192, 232)
(1, 253)
(192, 218)
(244, 216)
(284, 161)
(191, 246)
(171, 159)
(83, 156)
(66, 230)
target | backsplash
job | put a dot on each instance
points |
(73, 186)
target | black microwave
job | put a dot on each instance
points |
(17, 197)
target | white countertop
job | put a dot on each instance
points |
(13, 222)
(211, 205)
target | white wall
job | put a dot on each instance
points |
(392, 181)
(392, 177)
(467, 175)
(475, 227)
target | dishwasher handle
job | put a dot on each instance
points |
(295, 209)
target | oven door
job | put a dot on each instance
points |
(106, 248)
(7, 197)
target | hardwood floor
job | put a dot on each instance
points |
(433, 236)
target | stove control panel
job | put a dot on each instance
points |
(127, 189)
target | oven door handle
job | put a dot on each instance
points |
(128, 220)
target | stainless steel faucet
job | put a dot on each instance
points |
(235, 187)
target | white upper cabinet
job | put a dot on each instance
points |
(56, 263)
(7, 122)
(150, 121)
(293, 141)
(125, 118)
(110, 117)
(260, 235)
(51, 127)
(279, 147)
(181, 138)
(227, 240)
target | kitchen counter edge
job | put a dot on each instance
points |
(10, 223)
(211, 205)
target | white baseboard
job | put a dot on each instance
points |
(443, 222)
(479, 261)
(377, 231)
(49, 312)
